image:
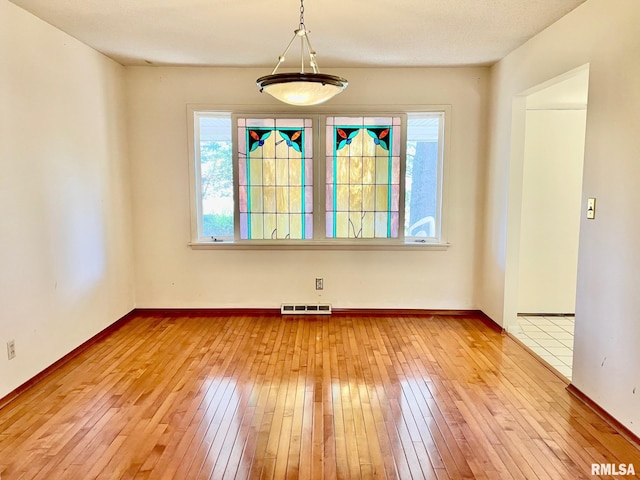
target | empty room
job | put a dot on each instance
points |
(302, 239)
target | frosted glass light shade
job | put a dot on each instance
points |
(302, 88)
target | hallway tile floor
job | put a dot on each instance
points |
(551, 338)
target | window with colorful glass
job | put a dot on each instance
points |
(362, 177)
(275, 178)
(379, 178)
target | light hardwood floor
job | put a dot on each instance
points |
(304, 397)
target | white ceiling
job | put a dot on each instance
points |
(248, 33)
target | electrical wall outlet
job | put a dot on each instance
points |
(591, 208)
(319, 284)
(11, 349)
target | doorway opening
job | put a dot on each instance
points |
(549, 153)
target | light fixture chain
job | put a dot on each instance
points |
(302, 26)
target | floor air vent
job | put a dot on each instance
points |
(305, 309)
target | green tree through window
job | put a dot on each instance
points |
(216, 187)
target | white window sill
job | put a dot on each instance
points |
(315, 245)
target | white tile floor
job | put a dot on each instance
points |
(551, 338)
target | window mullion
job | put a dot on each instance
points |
(319, 179)
(236, 178)
(402, 180)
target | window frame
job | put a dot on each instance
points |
(403, 145)
(195, 176)
(236, 176)
(440, 190)
(318, 115)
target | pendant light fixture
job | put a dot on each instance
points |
(304, 88)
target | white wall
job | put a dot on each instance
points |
(550, 219)
(605, 35)
(65, 223)
(170, 274)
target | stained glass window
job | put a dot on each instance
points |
(362, 177)
(275, 178)
(253, 178)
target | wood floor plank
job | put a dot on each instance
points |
(310, 397)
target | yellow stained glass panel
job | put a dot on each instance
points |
(366, 202)
(269, 171)
(382, 173)
(295, 226)
(282, 220)
(256, 226)
(295, 200)
(368, 225)
(355, 198)
(382, 198)
(282, 199)
(355, 149)
(256, 198)
(269, 147)
(368, 198)
(355, 170)
(282, 150)
(282, 172)
(381, 152)
(269, 225)
(295, 172)
(342, 175)
(256, 171)
(275, 178)
(291, 152)
(368, 170)
(269, 199)
(355, 224)
(370, 149)
(342, 198)
(342, 224)
(381, 225)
